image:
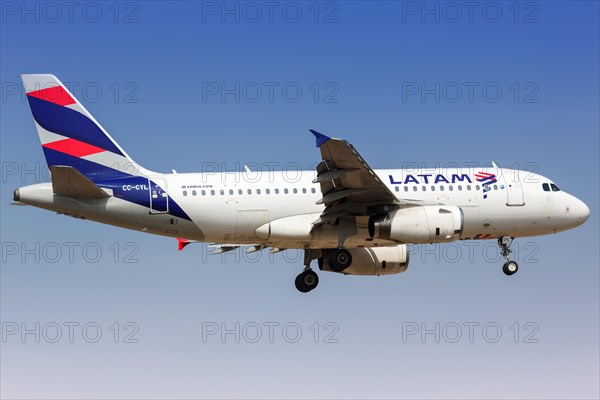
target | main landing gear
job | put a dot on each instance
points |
(510, 267)
(307, 280)
(339, 260)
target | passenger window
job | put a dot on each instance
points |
(554, 187)
(249, 191)
(313, 190)
(546, 187)
(397, 189)
(276, 191)
(257, 191)
(424, 188)
(222, 192)
(450, 188)
(441, 188)
(295, 191)
(432, 188)
(286, 191)
(194, 193)
(268, 191)
(212, 192)
(230, 192)
(240, 191)
(185, 192)
(495, 187)
(468, 187)
(414, 188)
(459, 187)
(304, 190)
(204, 193)
(406, 188)
(477, 187)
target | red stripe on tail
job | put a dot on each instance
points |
(73, 147)
(56, 95)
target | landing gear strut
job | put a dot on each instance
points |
(308, 279)
(510, 267)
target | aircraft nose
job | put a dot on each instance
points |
(580, 211)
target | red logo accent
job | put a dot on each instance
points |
(56, 95)
(73, 147)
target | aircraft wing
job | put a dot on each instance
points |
(349, 185)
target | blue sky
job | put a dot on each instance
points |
(189, 85)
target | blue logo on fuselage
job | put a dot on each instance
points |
(431, 178)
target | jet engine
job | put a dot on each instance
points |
(419, 224)
(368, 260)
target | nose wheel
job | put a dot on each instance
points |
(510, 267)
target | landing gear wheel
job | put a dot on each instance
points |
(339, 260)
(510, 268)
(307, 281)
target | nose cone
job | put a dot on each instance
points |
(580, 211)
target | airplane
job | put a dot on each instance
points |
(351, 218)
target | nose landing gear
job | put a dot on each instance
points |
(510, 267)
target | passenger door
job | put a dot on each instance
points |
(514, 189)
(159, 198)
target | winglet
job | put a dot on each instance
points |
(182, 243)
(320, 137)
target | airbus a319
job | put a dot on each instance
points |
(349, 217)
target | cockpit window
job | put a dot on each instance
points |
(546, 187)
(554, 187)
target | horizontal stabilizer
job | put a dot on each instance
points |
(68, 182)
(219, 248)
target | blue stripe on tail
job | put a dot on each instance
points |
(70, 123)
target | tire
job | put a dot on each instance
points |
(310, 279)
(300, 285)
(510, 268)
(339, 260)
(306, 281)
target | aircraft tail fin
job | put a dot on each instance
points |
(70, 135)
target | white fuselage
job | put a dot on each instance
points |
(230, 207)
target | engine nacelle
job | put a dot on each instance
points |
(371, 260)
(419, 224)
